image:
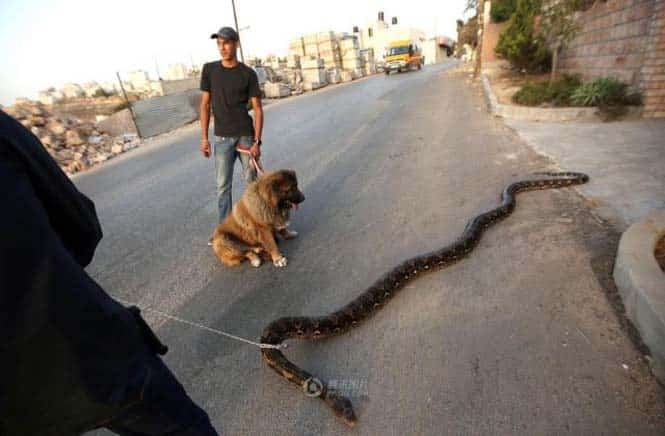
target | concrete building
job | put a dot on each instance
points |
(437, 49)
(72, 90)
(139, 80)
(176, 72)
(110, 87)
(49, 96)
(92, 89)
(378, 34)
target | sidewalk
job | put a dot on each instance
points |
(624, 160)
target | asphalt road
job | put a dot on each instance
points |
(517, 339)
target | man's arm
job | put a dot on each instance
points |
(205, 123)
(255, 98)
(258, 125)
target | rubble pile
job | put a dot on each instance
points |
(75, 144)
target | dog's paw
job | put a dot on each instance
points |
(256, 262)
(280, 262)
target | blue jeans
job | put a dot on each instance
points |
(224, 151)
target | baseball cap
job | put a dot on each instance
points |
(225, 33)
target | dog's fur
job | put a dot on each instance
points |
(261, 213)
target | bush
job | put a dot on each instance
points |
(100, 93)
(557, 93)
(606, 91)
(120, 106)
(519, 43)
(502, 10)
(467, 33)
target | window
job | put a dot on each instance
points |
(393, 51)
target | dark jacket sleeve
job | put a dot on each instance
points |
(71, 214)
(69, 353)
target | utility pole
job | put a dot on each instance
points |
(129, 105)
(159, 76)
(477, 68)
(235, 18)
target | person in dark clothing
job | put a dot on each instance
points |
(71, 358)
(228, 85)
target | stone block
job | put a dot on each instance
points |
(641, 284)
(276, 90)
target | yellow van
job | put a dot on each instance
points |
(403, 55)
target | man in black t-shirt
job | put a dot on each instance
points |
(228, 85)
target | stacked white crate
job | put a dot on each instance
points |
(328, 49)
(275, 63)
(313, 73)
(369, 67)
(311, 45)
(351, 60)
(346, 76)
(293, 61)
(334, 75)
(297, 47)
(276, 90)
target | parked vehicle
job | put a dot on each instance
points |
(265, 74)
(403, 55)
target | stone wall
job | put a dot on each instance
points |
(174, 86)
(162, 114)
(87, 108)
(491, 34)
(652, 78)
(117, 124)
(624, 39)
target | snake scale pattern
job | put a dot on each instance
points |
(383, 290)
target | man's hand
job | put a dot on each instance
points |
(205, 147)
(255, 150)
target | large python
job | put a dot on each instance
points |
(383, 290)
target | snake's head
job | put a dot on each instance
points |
(342, 408)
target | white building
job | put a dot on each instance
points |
(92, 88)
(139, 80)
(176, 72)
(437, 49)
(50, 96)
(110, 87)
(72, 90)
(378, 34)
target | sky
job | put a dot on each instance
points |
(51, 42)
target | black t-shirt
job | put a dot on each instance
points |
(230, 90)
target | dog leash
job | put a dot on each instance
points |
(203, 327)
(259, 170)
(257, 163)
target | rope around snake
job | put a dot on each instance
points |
(383, 290)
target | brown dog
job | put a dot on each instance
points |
(262, 212)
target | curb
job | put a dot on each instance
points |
(641, 284)
(527, 113)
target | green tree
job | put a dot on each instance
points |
(471, 5)
(519, 42)
(502, 10)
(559, 27)
(467, 33)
